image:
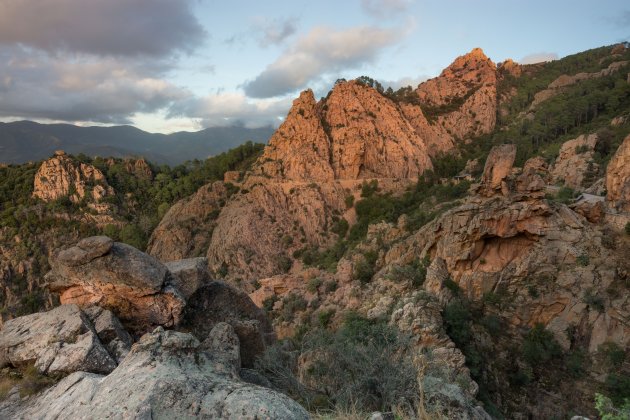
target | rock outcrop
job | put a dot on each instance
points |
(459, 104)
(133, 285)
(498, 167)
(64, 340)
(60, 176)
(219, 302)
(354, 133)
(575, 162)
(167, 374)
(186, 228)
(618, 178)
(189, 275)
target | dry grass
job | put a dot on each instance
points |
(27, 379)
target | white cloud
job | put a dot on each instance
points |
(233, 108)
(538, 58)
(323, 50)
(274, 31)
(385, 8)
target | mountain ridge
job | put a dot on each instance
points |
(24, 141)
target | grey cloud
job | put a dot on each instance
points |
(36, 85)
(323, 50)
(538, 58)
(102, 27)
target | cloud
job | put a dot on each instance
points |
(538, 58)
(387, 8)
(36, 85)
(404, 82)
(154, 28)
(232, 108)
(274, 32)
(322, 50)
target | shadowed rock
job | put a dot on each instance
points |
(220, 302)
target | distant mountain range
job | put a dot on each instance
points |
(23, 141)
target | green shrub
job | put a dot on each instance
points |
(361, 365)
(292, 304)
(583, 260)
(577, 362)
(414, 273)
(450, 284)
(331, 286)
(614, 355)
(324, 317)
(457, 318)
(284, 263)
(269, 302)
(313, 284)
(593, 301)
(618, 387)
(363, 271)
(540, 346)
(349, 200)
(340, 227)
(608, 411)
(627, 229)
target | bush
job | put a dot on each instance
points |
(594, 301)
(349, 200)
(608, 411)
(540, 346)
(313, 284)
(363, 364)
(627, 229)
(583, 260)
(613, 354)
(414, 273)
(457, 318)
(618, 387)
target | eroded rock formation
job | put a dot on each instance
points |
(618, 178)
(60, 176)
(118, 277)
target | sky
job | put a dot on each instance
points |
(184, 65)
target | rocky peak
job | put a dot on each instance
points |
(139, 168)
(466, 74)
(354, 133)
(510, 67)
(60, 176)
(300, 148)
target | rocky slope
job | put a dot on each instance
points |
(163, 374)
(321, 155)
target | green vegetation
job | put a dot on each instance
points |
(361, 365)
(608, 411)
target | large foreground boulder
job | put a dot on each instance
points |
(118, 277)
(64, 340)
(166, 375)
(220, 302)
